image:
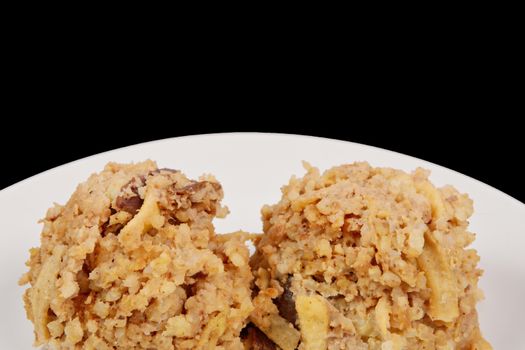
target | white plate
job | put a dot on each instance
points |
(252, 168)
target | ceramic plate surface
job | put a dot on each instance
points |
(252, 168)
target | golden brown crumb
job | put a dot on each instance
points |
(132, 262)
(382, 253)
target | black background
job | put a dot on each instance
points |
(491, 152)
(446, 94)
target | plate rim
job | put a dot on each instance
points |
(14, 186)
(384, 156)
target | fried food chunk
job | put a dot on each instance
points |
(373, 258)
(132, 261)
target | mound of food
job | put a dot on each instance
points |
(366, 258)
(132, 262)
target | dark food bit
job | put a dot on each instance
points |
(203, 193)
(193, 187)
(115, 229)
(196, 186)
(286, 303)
(174, 221)
(133, 204)
(257, 340)
(130, 204)
(135, 183)
(167, 170)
